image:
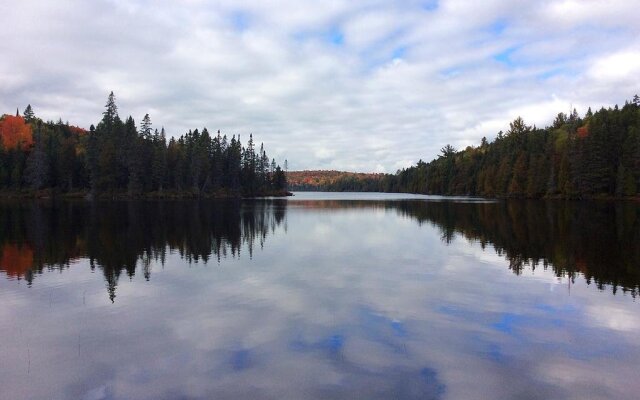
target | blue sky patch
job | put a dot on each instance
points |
(553, 72)
(334, 36)
(430, 5)
(505, 57)
(240, 21)
(498, 27)
(399, 52)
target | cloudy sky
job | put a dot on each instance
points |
(350, 85)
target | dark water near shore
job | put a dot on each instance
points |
(320, 296)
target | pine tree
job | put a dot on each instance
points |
(280, 179)
(159, 163)
(217, 162)
(272, 172)
(263, 168)
(249, 168)
(145, 127)
(111, 111)
(109, 171)
(135, 158)
(174, 155)
(28, 114)
(518, 128)
(589, 113)
(448, 151)
(233, 165)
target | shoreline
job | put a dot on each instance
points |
(164, 195)
(230, 195)
(597, 197)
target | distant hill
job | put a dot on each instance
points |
(340, 181)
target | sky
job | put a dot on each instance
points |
(369, 86)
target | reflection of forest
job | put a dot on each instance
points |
(121, 236)
(600, 241)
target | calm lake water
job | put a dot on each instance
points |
(320, 296)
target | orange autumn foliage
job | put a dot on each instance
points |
(320, 178)
(583, 131)
(76, 130)
(15, 133)
(16, 261)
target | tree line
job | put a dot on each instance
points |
(119, 158)
(597, 155)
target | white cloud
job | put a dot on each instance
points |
(615, 318)
(318, 81)
(620, 66)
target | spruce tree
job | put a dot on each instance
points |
(145, 127)
(28, 114)
(111, 111)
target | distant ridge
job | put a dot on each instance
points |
(317, 180)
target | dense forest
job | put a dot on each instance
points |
(597, 155)
(116, 158)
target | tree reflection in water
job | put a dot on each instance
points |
(600, 241)
(120, 237)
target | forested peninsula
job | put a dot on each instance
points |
(117, 159)
(594, 156)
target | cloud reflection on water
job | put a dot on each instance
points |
(368, 306)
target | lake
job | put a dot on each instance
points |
(320, 296)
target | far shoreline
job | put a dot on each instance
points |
(47, 194)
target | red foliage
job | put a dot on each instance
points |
(76, 130)
(320, 178)
(15, 133)
(16, 261)
(583, 131)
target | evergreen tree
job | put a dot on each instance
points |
(37, 168)
(28, 114)
(145, 127)
(135, 158)
(159, 167)
(249, 168)
(111, 111)
(217, 163)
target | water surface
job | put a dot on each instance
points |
(320, 296)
